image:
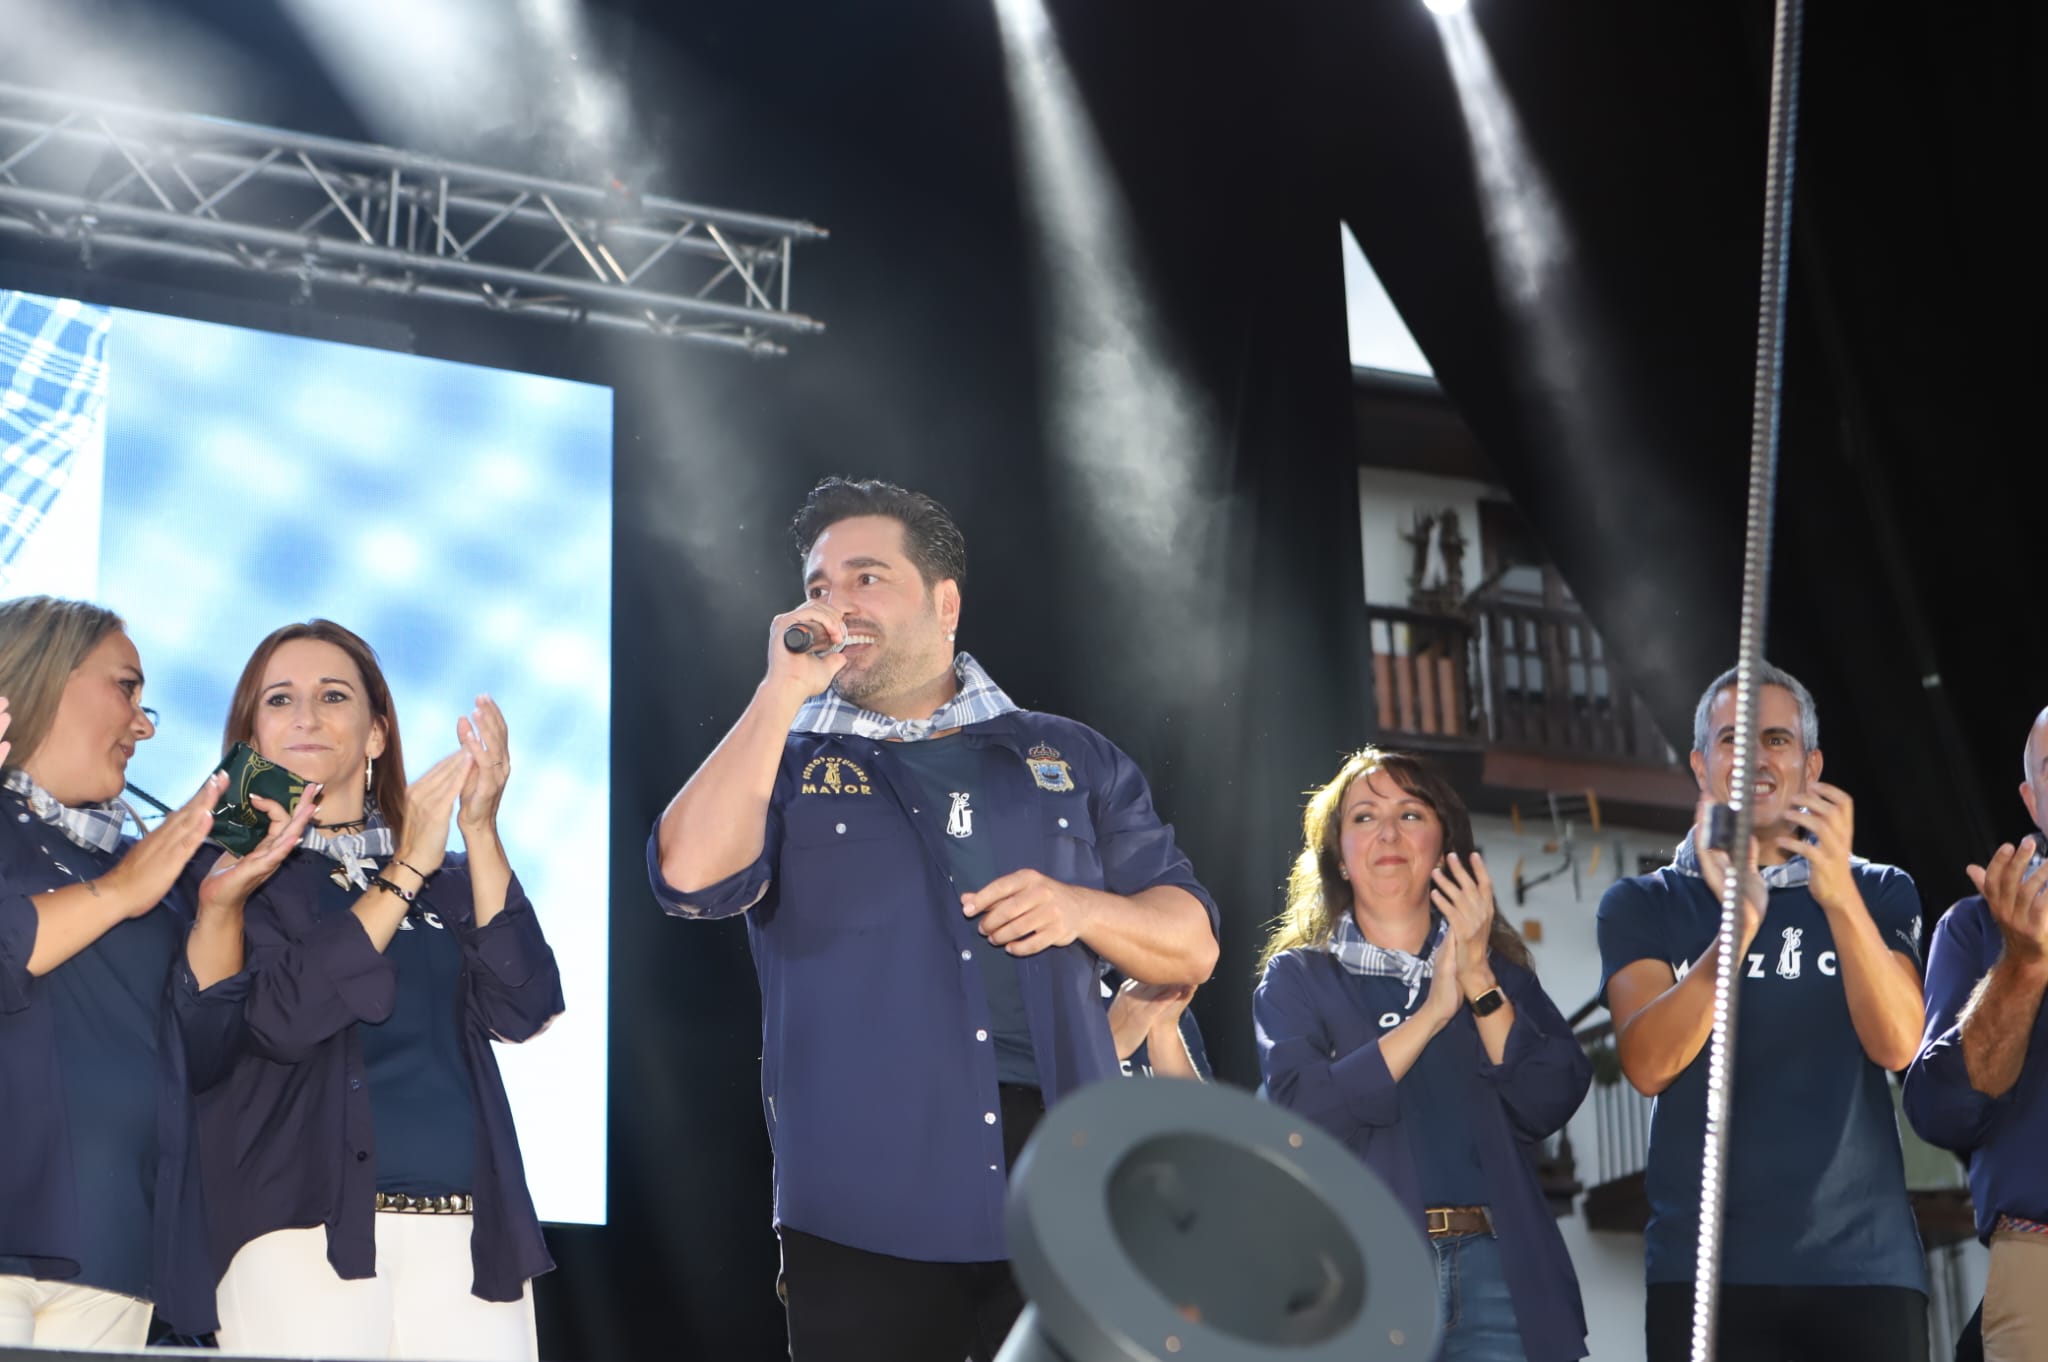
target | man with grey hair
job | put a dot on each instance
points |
(1980, 1084)
(1820, 1256)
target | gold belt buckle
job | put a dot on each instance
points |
(1437, 1220)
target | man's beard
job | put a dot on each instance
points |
(889, 674)
(883, 676)
(859, 687)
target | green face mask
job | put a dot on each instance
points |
(238, 824)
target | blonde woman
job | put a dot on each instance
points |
(1398, 1010)
(99, 1220)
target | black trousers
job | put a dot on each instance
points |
(1794, 1324)
(848, 1305)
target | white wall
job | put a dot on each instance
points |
(1388, 500)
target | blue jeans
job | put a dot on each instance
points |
(1472, 1300)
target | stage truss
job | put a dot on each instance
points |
(333, 213)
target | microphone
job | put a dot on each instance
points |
(801, 638)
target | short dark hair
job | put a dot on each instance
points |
(930, 537)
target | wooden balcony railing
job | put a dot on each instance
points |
(1421, 674)
(1516, 675)
(1549, 685)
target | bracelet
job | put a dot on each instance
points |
(424, 877)
(379, 882)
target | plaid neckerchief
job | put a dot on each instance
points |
(96, 827)
(353, 849)
(53, 399)
(1360, 956)
(1790, 874)
(980, 699)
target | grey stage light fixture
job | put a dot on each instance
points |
(1163, 1221)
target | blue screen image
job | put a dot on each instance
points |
(211, 483)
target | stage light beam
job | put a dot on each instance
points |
(1131, 436)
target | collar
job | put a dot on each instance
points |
(353, 850)
(96, 827)
(1790, 874)
(1359, 956)
(978, 700)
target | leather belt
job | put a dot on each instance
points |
(457, 1203)
(1441, 1221)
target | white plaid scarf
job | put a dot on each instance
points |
(1360, 956)
(1790, 874)
(96, 827)
(353, 850)
(980, 699)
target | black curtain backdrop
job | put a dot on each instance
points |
(1901, 585)
(1240, 135)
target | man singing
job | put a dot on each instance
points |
(1980, 1083)
(933, 879)
(1820, 1256)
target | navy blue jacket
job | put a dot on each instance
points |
(1320, 1054)
(2003, 1136)
(285, 1130)
(40, 1229)
(878, 1077)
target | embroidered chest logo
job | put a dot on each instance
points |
(1048, 770)
(833, 776)
(1788, 955)
(960, 818)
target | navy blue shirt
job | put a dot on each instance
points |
(1319, 1050)
(878, 1075)
(945, 777)
(1436, 1096)
(1816, 1180)
(422, 1112)
(2005, 1137)
(98, 1183)
(287, 1134)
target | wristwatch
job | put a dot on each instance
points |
(1489, 1002)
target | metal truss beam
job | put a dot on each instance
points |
(353, 215)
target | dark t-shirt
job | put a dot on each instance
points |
(1816, 1181)
(421, 1107)
(949, 775)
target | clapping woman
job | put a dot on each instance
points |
(1399, 1011)
(366, 1193)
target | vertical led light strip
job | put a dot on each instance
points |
(1766, 404)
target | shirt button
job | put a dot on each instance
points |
(987, 1117)
(967, 955)
(355, 1085)
(839, 827)
(993, 1169)
(362, 1154)
(1063, 822)
(981, 1035)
